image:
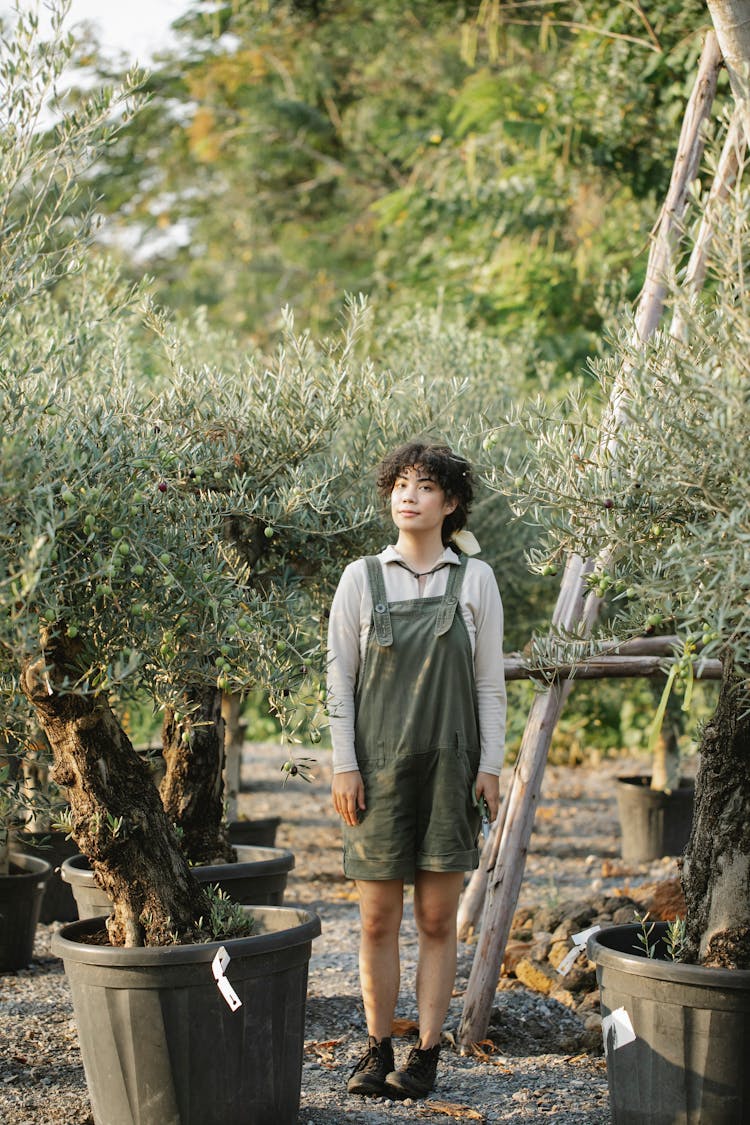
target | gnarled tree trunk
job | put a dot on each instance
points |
(192, 790)
(716, 865)
(119, 822)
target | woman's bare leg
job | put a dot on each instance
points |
(381, 904)
(436, 895)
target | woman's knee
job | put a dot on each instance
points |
(435, 924)
(380, 914)
(436, 903)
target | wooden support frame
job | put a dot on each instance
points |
(497, 882)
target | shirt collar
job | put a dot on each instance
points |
(391, 555)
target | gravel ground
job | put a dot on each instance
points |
(534, 1066)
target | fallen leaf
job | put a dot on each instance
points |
(324, 1051)
(401, 1028)
(453, 1109)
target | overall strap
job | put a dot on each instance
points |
(447, 610)
(380, 615)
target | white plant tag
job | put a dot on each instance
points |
(229, 994)
(218, 966)
(617, 1030)
(579, 944)
(220, 962)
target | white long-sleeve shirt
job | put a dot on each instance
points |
(348, 629)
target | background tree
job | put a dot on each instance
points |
(502, 162)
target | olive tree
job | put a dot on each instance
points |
(668, 517)
(166, 524)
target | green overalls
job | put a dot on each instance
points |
(416, 738)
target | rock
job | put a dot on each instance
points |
(614, 902)
(540, 946)
(547, 918)
(537, 975)
(559, 950)
(664, 901)
(590, 1003)
(580, 978)
(573, 921)
(514, 952)
(624, 915)
(523, 915)
(563, 995)
(592, 1033)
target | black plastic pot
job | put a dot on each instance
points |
(161, 1046)
(260, 831)
(653, 823)
(58, 903)
(20, 900)
(258, 878)
(688, 1064)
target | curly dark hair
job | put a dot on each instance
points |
(452, 472)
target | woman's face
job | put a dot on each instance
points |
(418, 503)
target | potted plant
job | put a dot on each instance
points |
(42, 834)
(257, 876)
(22, 880)
(196, 1054)
(655, 809)
(667, 515)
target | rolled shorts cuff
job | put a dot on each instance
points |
(378, 872)
(455, 861)
(360, 868)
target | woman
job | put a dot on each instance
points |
(416, 698)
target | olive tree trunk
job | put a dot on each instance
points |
(192, 790)
(118, 819)
(716, 864)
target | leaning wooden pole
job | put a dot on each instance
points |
(731, 20)
(574, 607)
(727, 171)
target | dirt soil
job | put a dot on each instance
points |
(535, 1065)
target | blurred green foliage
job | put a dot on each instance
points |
(503, 161)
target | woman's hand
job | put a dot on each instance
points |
(348, 793)
(487, 785)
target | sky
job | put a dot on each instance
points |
(136, 27)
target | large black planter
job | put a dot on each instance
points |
(653, 823)
(161, 1046)
(260, 831)
(20, 900)
(258, 878)
(58, 903)
(688, 1063)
